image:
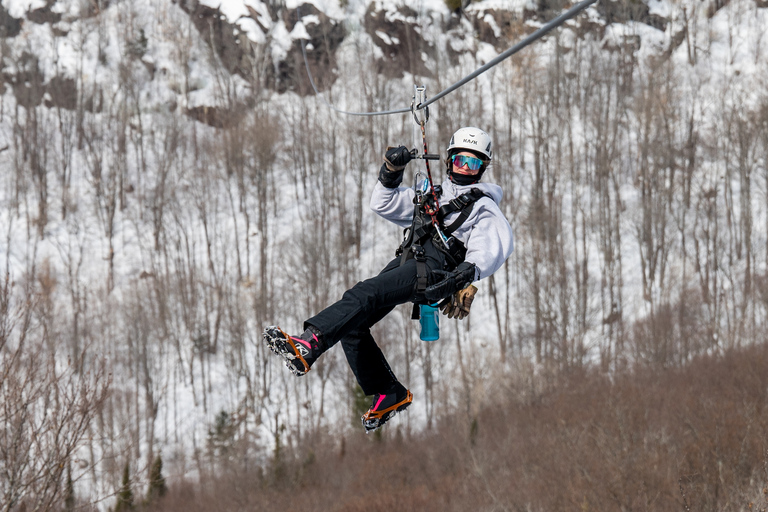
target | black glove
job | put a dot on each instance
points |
(390, 179)
(397, 158)
(450, 282)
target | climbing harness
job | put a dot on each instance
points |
(428, 215)
(425, 202)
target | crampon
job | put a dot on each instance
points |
(383, 408)
(294, 350)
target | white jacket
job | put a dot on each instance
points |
(486, 233)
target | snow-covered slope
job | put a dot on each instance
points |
(171, 184)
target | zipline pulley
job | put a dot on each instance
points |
(420, 116)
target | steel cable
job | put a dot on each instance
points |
(543, 30)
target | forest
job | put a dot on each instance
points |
(163, 201)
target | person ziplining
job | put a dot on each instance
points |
(444, 251)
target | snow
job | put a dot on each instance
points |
(252, 30)
(232, 9)
(490, 20)
(504, 5)
(18, 8)
(729, 71)
(386, 39)
(310, 19)
(660, 8)
(299, 32)
(485, 53)
(461, 45)
(281, 41)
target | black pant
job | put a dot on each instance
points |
(350, 319)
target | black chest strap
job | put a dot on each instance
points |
(464, 204)
(422, 229)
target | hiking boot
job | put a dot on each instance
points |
(386, 406)
(299, 352)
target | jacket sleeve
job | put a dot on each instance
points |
(394, 204)
(490, 240)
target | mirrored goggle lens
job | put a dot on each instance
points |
(471, 162)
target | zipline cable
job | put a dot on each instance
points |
(543, 30)
(570, 13)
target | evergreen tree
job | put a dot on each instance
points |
(361, 403)
(278, 467)
(157, 487)
(125, 496)
(222, 436)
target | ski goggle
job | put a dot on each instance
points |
(470, 161)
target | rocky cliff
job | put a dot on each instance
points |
(261, 42)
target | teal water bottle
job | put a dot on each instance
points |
(429, 317)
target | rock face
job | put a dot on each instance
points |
(401, 34)
(498, 28)
(282, 72)
(27, 82)
(631, 10)
(44, 14)
(218, 33)
(264, 45)
(9, 26)
(325, 37)
(398, 35)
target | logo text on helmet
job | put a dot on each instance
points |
(470, 141)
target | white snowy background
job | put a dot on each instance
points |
(140, 239)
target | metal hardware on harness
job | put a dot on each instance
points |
(418, 192)
(420, 255)
(421, 116)
(459, 202)
(426, 201)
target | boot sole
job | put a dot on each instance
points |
(281, 344)
(377, 419)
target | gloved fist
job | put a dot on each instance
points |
(390, 179)
(458, 304)
(396, 158)
(450, 282)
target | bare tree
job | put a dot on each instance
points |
(47, 407)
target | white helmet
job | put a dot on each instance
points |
(473, 139)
